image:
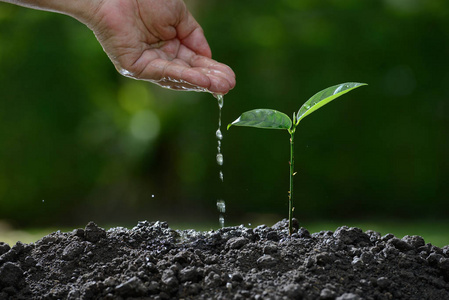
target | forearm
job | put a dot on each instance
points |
(79, 9)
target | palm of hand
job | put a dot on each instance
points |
(159, 41)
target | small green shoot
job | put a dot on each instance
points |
(272, 119)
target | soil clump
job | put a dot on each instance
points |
(152, 261)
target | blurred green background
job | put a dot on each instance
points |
(79, 142)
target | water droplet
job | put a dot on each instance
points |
(125, 72)
(221, 206)
(43, 201)
(152, 196)
(220, 159)
(219, 134)
(338, 89)
(221, 221)
(221, 176)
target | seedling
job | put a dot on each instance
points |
(272, 119)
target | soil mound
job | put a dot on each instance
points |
(152, 261)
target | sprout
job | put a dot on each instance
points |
(272, 119)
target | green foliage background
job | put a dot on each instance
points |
(79, 142)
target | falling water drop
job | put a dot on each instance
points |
(219, 134)
(221, 206)
(220, 159)
(221, 221)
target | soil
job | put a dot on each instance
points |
(152, 261)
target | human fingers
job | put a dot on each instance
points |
(207, 66)
(225, 71)
(177, 75)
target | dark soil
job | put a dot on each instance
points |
(152, 261)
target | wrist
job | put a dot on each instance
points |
(82, 10)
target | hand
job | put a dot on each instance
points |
(159, 41)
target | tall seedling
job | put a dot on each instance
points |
(272, 119)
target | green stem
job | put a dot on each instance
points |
(292, 173)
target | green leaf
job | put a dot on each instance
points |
(324, 97)
(263, 118)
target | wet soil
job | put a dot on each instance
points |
(152, 261)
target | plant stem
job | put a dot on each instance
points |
(292, 171)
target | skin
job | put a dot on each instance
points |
(153, 40)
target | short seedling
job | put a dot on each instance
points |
(272, 119)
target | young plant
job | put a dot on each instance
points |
(272, 119)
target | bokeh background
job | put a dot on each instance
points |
(79, 142)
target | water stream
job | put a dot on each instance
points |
(176, 84)
(221, 205)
